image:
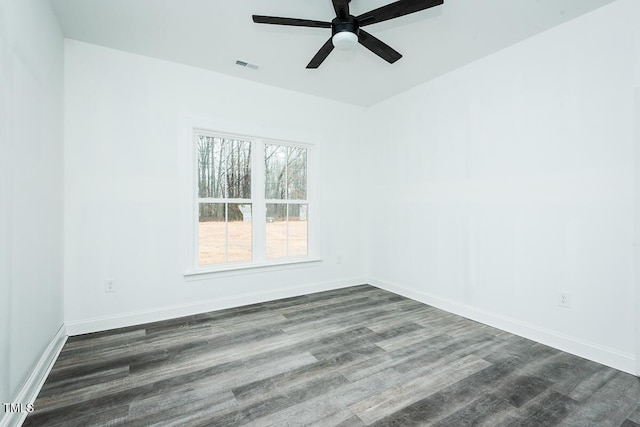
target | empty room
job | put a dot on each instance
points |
(321, 212)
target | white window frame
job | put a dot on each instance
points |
(258, 211)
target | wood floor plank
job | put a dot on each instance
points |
(635, 416)
(611, 405)
(348, 357)
(340, 397)
(392, 400)
(479, 412)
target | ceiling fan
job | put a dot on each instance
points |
(346, 29)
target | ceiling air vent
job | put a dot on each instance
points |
(246, 64)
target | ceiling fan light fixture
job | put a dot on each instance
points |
(344, 40)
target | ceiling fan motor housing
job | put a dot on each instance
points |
(349, 24)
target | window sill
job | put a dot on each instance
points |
(237, 269)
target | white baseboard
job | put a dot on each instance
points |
(85, 326)
(33, 384)
(598, 353)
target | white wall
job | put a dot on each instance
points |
(501, 184)
(637, 208)
(637, 193)
(31, 188)
(127, 187)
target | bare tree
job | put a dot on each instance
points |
(224, 171)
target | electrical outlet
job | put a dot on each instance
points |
(564, 299)
(339, 260)
(110, 285)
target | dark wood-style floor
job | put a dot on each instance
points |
(350, 357)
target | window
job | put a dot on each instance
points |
(252, 201)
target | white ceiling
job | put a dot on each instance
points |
(213, 34)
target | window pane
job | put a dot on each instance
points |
(209, 184)
(224, 167)
(211, 234)
(297, 174)
(298, 230)
(275, 162)
(238, 169)
(239, 232)
(276, 230)
(287, 230)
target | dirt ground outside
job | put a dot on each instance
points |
(212, 241)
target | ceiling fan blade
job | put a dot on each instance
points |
(395, 10)
(322, 54)
(342, 8)
(295, 22)
(378, 47)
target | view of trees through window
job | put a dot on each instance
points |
(285, 189)
(224, 178)
(227, 207)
